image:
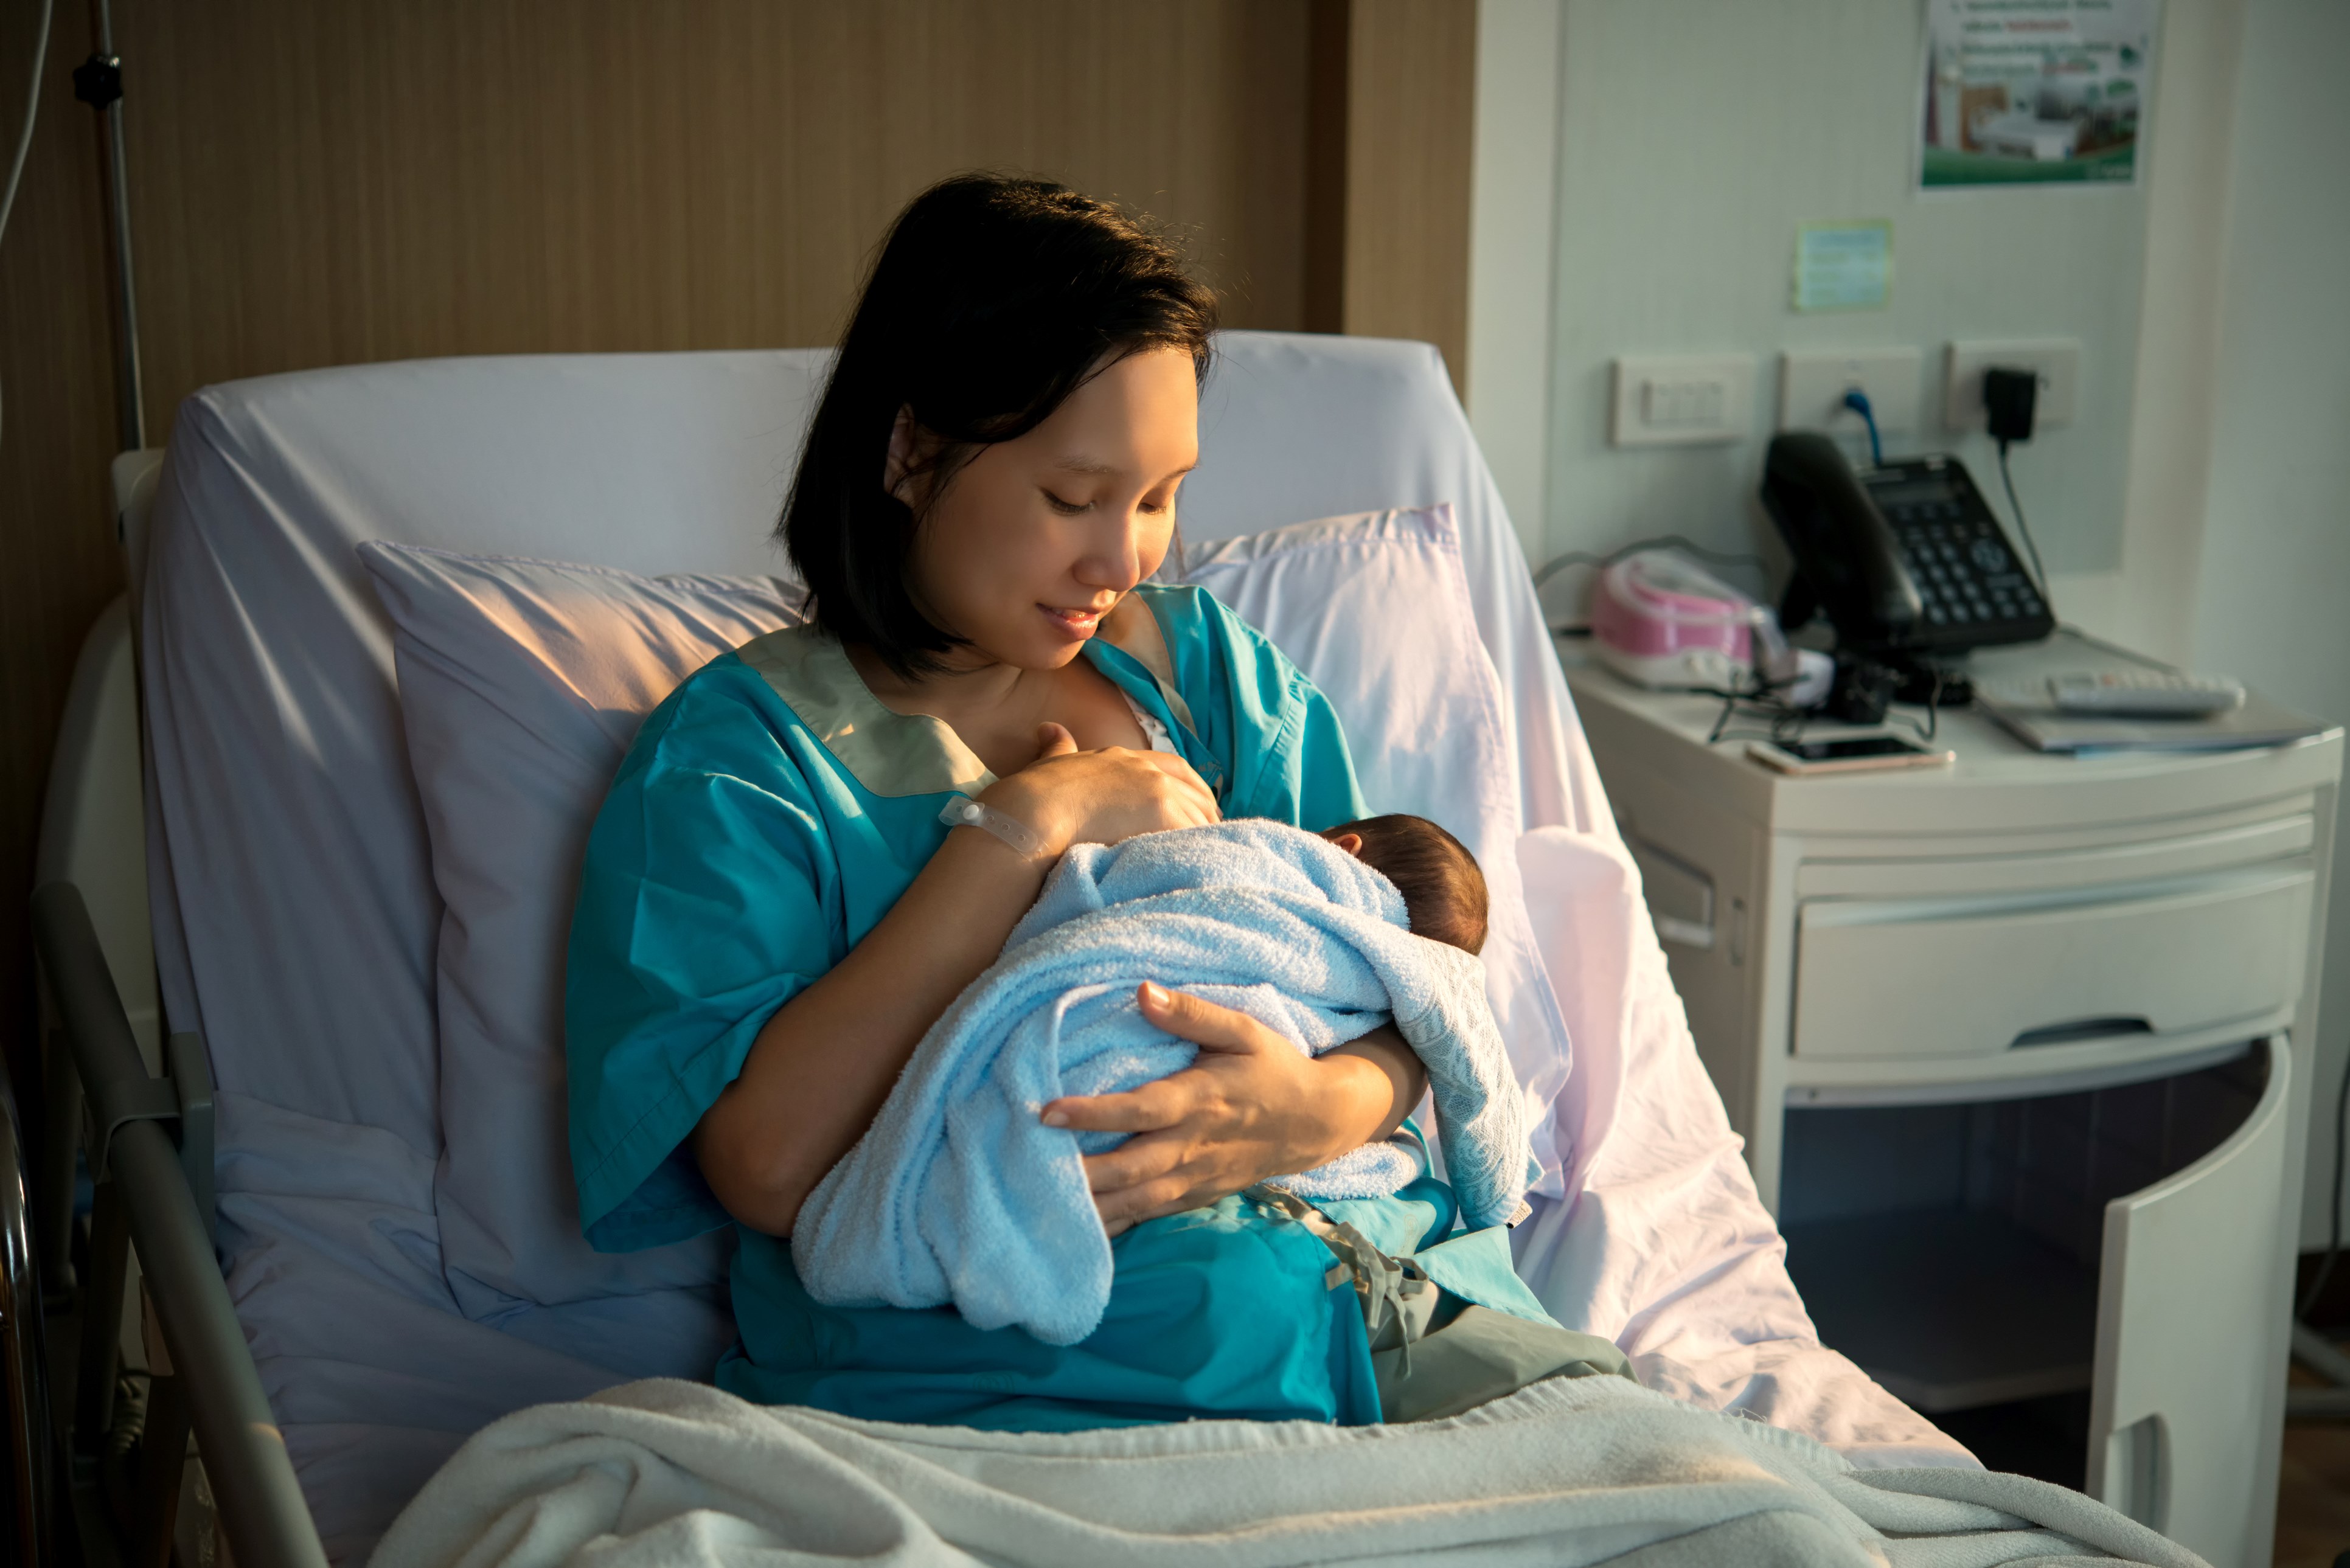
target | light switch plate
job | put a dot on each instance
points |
(2056, 359)
(1812, 382)
(1663, 399)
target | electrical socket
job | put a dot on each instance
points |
(1812, 382)
(2056, 362)
(1671, 400)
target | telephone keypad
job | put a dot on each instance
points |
(1968, 579)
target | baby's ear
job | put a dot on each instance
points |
(1352, 843)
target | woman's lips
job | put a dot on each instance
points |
(1076, 624)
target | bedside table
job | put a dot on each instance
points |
(2021, 1051)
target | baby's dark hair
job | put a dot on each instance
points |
(1443, 891)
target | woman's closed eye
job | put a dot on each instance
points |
(1066, 508)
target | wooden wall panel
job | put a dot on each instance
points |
(321, 184)
(56, 431)
(1411, 116)
(322, 181)
(325, 181)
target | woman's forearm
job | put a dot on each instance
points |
(1249, 1107)
(823, 1064)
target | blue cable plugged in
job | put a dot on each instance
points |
(1857, 401)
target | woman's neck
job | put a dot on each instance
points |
(970, 684)
(997, 707)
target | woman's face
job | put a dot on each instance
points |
(1035, 539)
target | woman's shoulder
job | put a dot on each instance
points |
(1207, 637)
(736, 696)
(1189, 615)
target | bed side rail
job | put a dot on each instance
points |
(138, 1126)
(24, 1354)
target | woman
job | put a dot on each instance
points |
(771, 912)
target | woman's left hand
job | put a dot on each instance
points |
(1251, 1106)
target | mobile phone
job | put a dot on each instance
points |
(1846, 755)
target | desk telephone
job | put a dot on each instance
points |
(1905, 558)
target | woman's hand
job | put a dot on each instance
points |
(1251, 1106)
(1069, 796)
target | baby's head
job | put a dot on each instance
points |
(1443, 891)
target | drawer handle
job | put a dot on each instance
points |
(2080, 1029)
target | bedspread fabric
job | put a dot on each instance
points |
(1568, 1471)
(958, 1192)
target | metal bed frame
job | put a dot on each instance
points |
(92, 1476)
(148, 1143)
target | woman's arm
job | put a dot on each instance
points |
(821, 1067)
(1249, 1107)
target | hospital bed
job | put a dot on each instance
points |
(245, 955)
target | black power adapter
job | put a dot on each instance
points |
(2008, 398)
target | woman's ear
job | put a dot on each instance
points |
(898, 465)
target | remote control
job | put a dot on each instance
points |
(2149, 694)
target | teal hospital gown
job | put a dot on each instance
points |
(769, 814)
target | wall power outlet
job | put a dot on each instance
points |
(1812, 382)
(2056, 362)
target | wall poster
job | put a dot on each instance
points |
(2034, 92)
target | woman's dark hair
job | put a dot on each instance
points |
(994, 299)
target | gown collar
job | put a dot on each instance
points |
(894, 755)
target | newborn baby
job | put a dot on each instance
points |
(1443, 891)
(961, 1193)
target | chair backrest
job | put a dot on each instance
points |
(294, 912)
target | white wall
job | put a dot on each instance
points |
(2272, 597)
(2201, 506)
(1695, 137)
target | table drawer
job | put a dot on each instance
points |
(1905, 978)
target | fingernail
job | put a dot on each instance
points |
(1055, 1119)
(1153, 994)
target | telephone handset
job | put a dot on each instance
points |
(1904, 558)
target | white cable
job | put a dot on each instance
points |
(32, 111)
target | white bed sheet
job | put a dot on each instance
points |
(294, 905)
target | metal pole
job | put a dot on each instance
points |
(97, 82)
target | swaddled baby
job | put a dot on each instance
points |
(1443, 889)
(959, 1194)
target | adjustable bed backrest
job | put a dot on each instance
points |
(295, 915)
(294, 910)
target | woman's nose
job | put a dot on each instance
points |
(1114, 561)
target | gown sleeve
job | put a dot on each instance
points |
(709, 896)
(1279, 740)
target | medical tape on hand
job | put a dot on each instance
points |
(962, 811)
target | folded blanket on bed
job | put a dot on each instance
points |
(957, 1193)
(1570, 1471)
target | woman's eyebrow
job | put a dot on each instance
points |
(1095, 468)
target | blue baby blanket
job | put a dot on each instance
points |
(958, 1192)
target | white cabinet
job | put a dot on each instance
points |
(2182, 1259)
(2021, 1051)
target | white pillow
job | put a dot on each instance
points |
(1376, 608)
(521, 684)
